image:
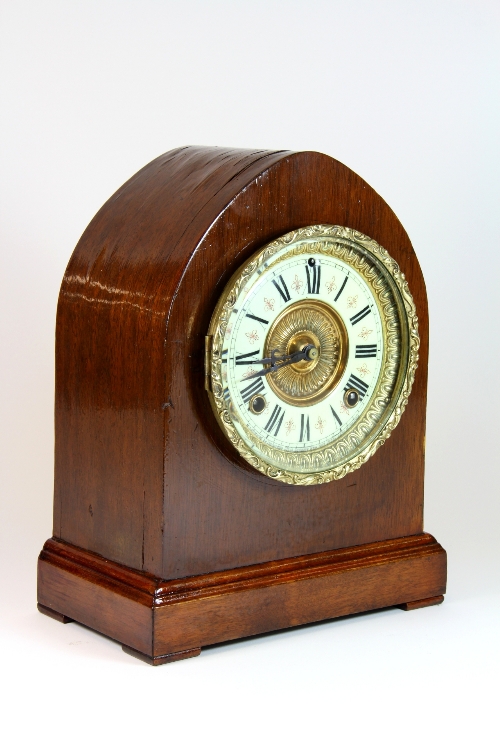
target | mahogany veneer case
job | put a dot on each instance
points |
(164, 538)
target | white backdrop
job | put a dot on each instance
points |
(406, 93)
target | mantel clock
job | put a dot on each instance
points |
(241, 367)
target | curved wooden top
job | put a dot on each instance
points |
(143, 474)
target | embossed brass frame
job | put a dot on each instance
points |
(390, 397)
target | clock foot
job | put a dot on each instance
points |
(165, 659)
(55, 615)
(422, 603)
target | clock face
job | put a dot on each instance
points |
(311, 354)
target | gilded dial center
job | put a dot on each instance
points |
(308, 323)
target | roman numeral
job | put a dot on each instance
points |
(336, 415)
(305, 433)
(226, 394)
(282, 288)
(359, 316)
(313, 279)
(366, 350)
(341, 289)
(252, 390)
(259, 320)
(276, 418)
(242, 359)
(358, 384)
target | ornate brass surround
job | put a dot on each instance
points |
(401, 344)
(308, 322)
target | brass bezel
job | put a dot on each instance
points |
(401, 343)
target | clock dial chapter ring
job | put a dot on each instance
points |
(308, 323)
(369, 373)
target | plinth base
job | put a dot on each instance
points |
(161, 621)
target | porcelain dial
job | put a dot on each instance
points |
(309, 351)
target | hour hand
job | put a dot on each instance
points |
(276, 361)
(266, 360)
(272, 360)
(273, 368)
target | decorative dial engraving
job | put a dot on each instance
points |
(319, 329)
(303, 323)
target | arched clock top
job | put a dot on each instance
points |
(185, 516)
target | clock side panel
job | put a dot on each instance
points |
(110, 348)
(218, 512)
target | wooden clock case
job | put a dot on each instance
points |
(164, 539)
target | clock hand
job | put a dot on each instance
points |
(267, 360)
(275, 367)
(309, 352)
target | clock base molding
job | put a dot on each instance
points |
(161, 621)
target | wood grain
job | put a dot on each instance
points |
(161, 619)
(144, 475)
(164, 538)
(97, 593)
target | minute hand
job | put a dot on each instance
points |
(275, 357)
(286, 359)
